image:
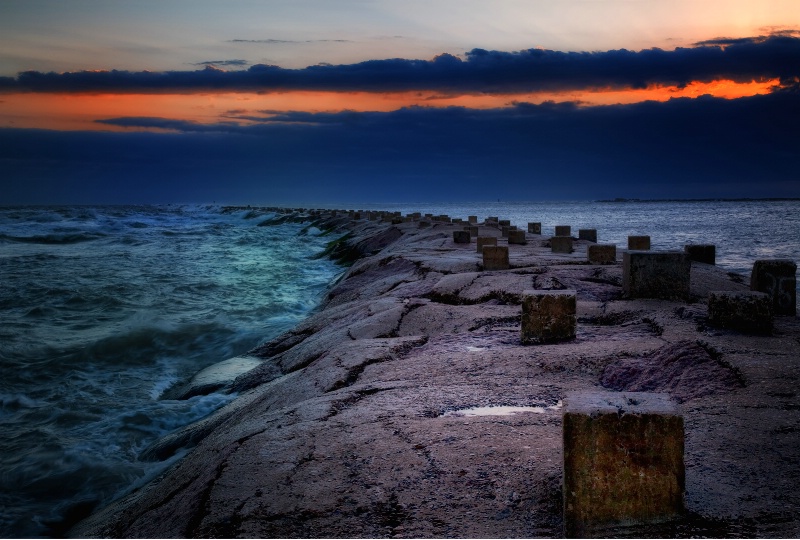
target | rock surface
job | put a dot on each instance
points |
(342, 431)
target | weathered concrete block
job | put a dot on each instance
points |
(473, 230)
(602, 253)
(563, 230)
(588, 234)
(561, 244)
(776, 277)
(356, 215)
(704, 253)
(516, 237)
(504, 230)
(495, 258)
(623, 460)
(504, 222)
(486, 241)
(397, 220)
(639, 243)
(424, 223)
(472, 219)
(656, 274)
(548, 316)
(749, 312)
(461, 237)
(535, 228)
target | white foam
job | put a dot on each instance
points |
(501, 410)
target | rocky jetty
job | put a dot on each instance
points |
(408, 406)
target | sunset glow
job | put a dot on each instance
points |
(81, 111)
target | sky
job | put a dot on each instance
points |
(321, 102)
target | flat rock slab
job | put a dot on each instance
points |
(353, 424)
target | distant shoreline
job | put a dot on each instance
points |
(742, 199)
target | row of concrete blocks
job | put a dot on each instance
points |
(550, 316)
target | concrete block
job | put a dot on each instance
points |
(656, 274)
(602, 253)
(424, 223)
(561, 244)
(548, 316)
(777, 278)
(473, 230)
(516, 237)
(506, 222)
(356, 215)
(535, 228)
(588, 234)
(623, 460)
(749, 312)
(472, 219)
(639, 243)
(461, 237)
(495, 258)
(486, 241)
(504, 230)
(704, 253)
(563, 230)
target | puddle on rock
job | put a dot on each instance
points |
(500, 410)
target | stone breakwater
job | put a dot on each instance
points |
(409, 406)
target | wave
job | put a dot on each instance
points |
(53, 239)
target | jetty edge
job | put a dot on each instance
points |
(387, 413)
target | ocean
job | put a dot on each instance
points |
(103, 309)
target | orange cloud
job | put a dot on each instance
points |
(79, 111)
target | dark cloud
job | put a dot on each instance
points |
(483, 71)
(278, 41)
(234, 62)
(704, 147)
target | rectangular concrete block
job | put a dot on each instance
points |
(517, 237)
(461, 237)
(504, 230)
(472, 219)
(506, 222)
(602, 253)
(749, 312)
(563, 230)
(535, 227)
(486, 241)
(704, 253)
(561, 244)
(656, 274)
(777, 278)
(588, 234)
(548, 316)
(639, 243)
(623, 461)
(473, 230)
(495, 258)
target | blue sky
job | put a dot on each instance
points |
(311, 101)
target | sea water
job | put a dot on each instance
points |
(102, 309)
(742, 231)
